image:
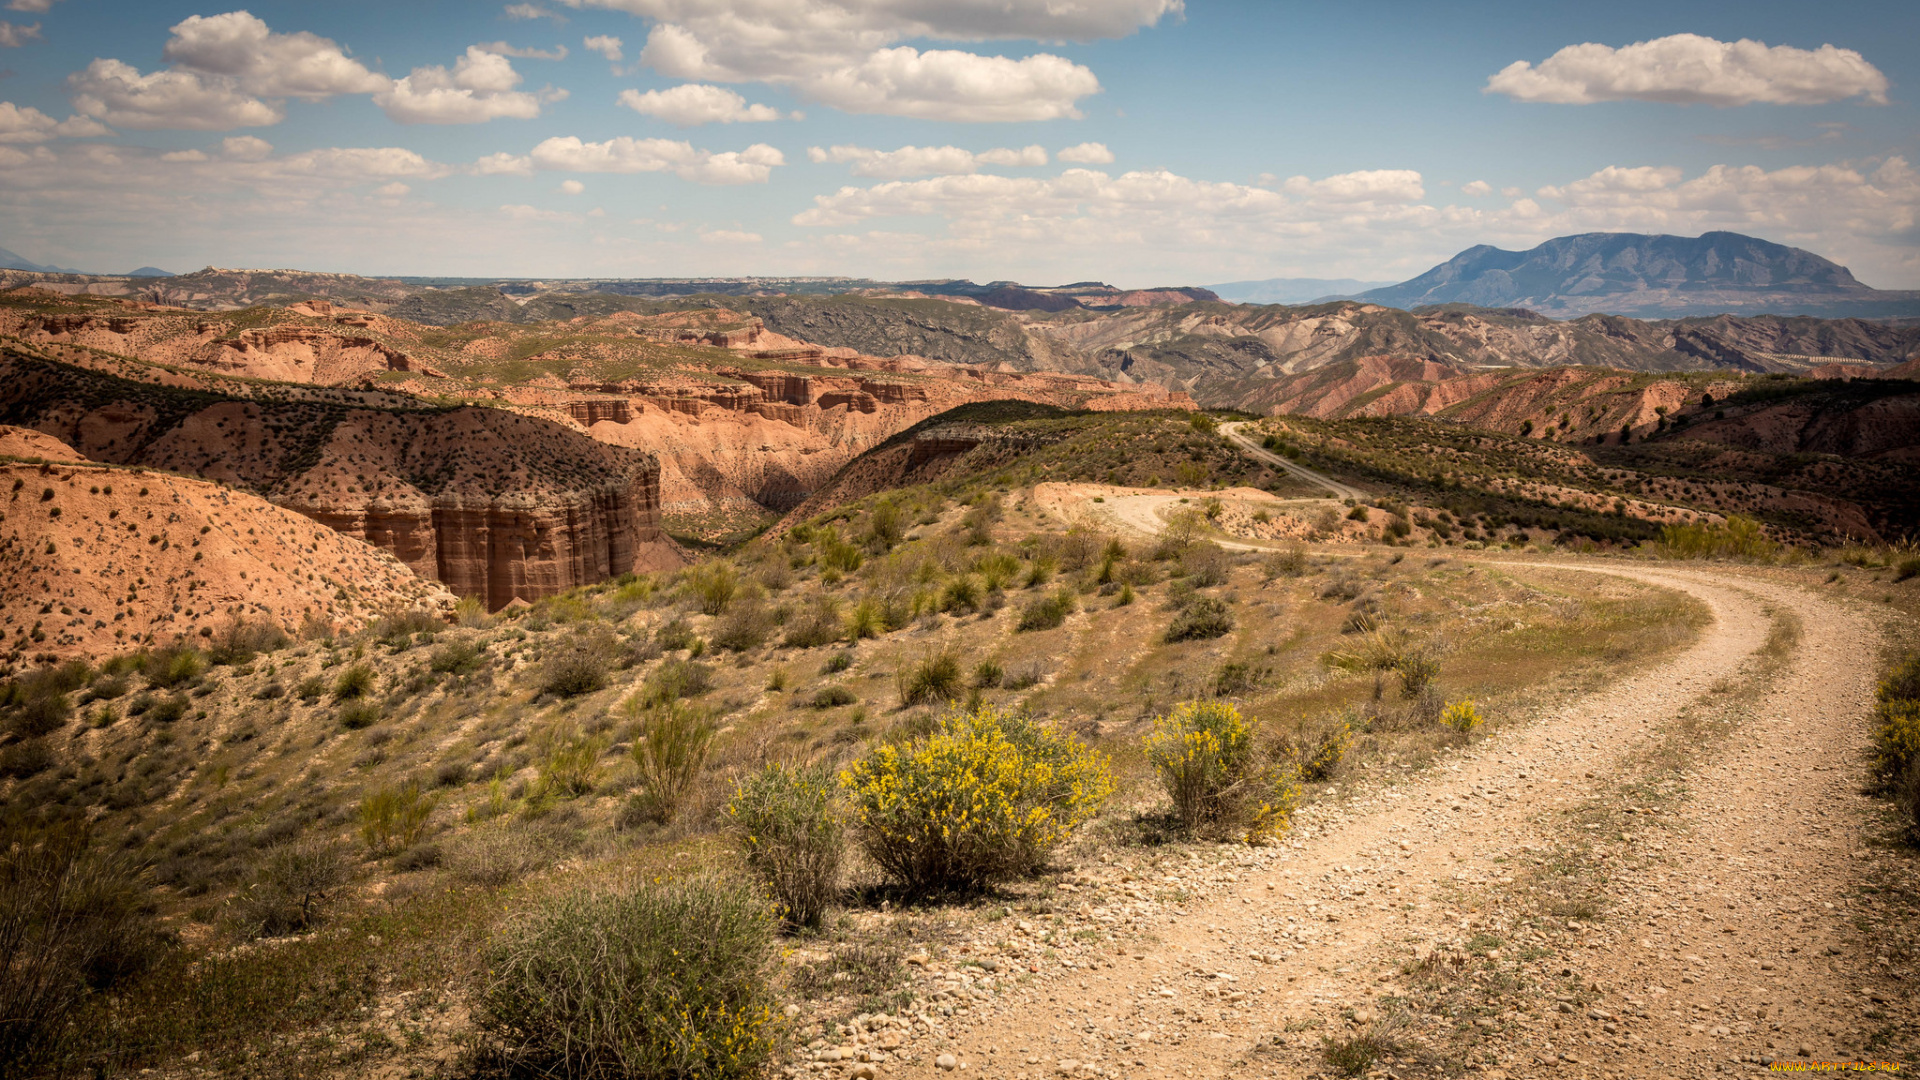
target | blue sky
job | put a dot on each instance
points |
(907, 139)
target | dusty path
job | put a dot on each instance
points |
(1711, 946)
(1253, 449)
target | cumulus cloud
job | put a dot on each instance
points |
(12, 36)
(629, 155)
(1088, 153)
(31, 7)
(1369, 186)
(923, 160)
(558, 52)
(1689, 69)
(693, 104)
(246, 148)
(526, 12)
(729, 236)
(608, 46)
(24, 124)
(241, 47)
(478, 89)
(502, 164)
(843, 52)
(1476, 188)
(571, 187)
(119, 94)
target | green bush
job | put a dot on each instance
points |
(934, 678)
(984, 798)
(174, 666)
(396, 629)
(291, 888)
(670, 745)
(1738, 537)
(988, 674)
(393, 818)
(356, 682)
(816, 624)
(580, 665)
(73, 921)
(714, 586)
(747, 625)
(310, 688)
(675, 680)
(1896, 731)
(1206, 759)
(1203, 617)
(790, 823)
(569, 762)
(832, 697)
(357, 715)
(457, 658)
(43, 710)
(1048, 612)
(641, 981)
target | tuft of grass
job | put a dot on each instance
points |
(935, 677)
(393, 818)
(357, 715)
(671, 742)
(354, 683)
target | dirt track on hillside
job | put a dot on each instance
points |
(1711, 806)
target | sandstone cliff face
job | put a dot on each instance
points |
(495, 504)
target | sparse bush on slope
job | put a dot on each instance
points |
(639, 981)
(985, 798)
(791, 824)
(1205, 755)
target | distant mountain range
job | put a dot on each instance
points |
(10, 260)
(1295, 290)
(1649, 277)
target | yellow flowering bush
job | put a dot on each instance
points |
(648, 980)
(1205, 755)
(984, 798)
(1462, 716)
(1896, 732)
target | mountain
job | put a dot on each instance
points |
(1649, 277)
(11, 261)
(151, 271)
(1292, 290)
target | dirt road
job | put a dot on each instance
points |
(1253, 449)
(1648, 882)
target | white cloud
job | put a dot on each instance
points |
(503, 164)
(947, 84)
(1088, 153)
(606, 45)
(1510, 192)
(729, 236)
(629, 155)
(24, 123)
(393, 190)
(32, 7)
(571, 187)
(1370, 186)
(524, 212)
(693, 104)
(179, 156)
(525, 12)
(1476, 188)
(245, 148)
(240, 46)
(117, 93)
(13, 36)
(923, 160)
(1689, 69)
(558, 52)
(840, 51)
(478, 89)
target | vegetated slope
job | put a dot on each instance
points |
(96, 559)
(1648, 276)
(495, 504)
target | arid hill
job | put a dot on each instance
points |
(96, 559)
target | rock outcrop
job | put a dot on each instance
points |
(495, 504)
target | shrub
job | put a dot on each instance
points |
(1417, 669)
(355, 682)
(167, 710)
(25, 758)
(1316, 754)
(457, 658)
(310, 688)
(42, 712)
(866, 620)
(675, 634)
(569, 762)
(817, 624)
(674, 680)
(839, 661)
(1204, 754)
(174, 665)
(961, 594)
(580, 665)
(1738, 537)
(670, 746)
(1896, 733)
(1461, 716)
(746, 626)
(790, 823)
(988, 674)
(885, 527)
(291, 888)
(935, 677)
(357, 715)
(649, 981)
(1047, 613)
(392, 818)
(1906, 569)
(396, 629)
(73, 921)
(496, 855)
(714, 586)
(1203, 618)
(830, 697)
(986, 797)
(1290, 562)
(837, 554)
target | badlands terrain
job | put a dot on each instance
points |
(343, 629)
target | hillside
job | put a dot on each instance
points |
(1649, 277)
(96, 559)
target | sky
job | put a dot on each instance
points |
(1139, 142)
